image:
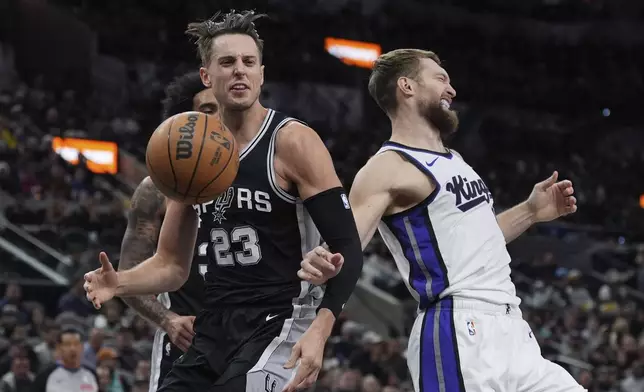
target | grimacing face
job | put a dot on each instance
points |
(235, 72)
(434, 97)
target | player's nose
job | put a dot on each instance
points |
(450, 91)
(239, 68)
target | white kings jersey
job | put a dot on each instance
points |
(450, 244)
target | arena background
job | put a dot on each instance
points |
(542, 85)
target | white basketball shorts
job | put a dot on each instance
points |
(472, 346)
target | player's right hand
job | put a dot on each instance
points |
(320, 265)
(100, 284)
(180, 330)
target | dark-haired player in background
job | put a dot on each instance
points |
(257, 311)
(172, 312)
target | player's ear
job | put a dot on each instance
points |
(205, 78)
(405, 85)
(261, 73)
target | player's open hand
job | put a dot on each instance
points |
(100, 284)
(180, 330)
(551, 199)
(309, 352)
(320, 265)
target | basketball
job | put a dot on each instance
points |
(192, 157)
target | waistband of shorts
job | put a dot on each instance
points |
(461, 304)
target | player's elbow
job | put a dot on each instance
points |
(174, 271)
(179, 276)
(353, 258)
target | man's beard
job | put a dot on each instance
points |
(445, 120)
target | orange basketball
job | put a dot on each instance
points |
(192, 157)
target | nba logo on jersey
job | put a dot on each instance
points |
(470, 328)
(345, 201)
(167, 349)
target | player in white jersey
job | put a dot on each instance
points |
(437, 218)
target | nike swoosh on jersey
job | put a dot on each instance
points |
(432, 163)
(270, 317)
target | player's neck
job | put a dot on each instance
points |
(245, 124)
(415, 131)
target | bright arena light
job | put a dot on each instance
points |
(356, 53)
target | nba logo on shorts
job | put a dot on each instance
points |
(470, 328)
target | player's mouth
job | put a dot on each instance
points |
(445, 103)
(239, 87)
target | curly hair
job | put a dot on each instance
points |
(180, 93)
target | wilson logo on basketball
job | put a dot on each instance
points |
(468, 194)
(184, 144)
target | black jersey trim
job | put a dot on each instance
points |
(270, 164)
(262, 130)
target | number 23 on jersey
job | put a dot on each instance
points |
(221, 240)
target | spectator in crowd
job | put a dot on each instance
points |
(108, 358)
(92, 347)
(104, 376)
(46, 349)
(67, 374)
(13, 297)
(20, 378)
(128, 356)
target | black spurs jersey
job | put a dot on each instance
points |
(255, 233)
(188, 300)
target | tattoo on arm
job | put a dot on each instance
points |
(140, 242)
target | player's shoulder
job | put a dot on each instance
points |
(148, 197)
(296, 134)
(381, 172)
(385, 162)
(298, 143)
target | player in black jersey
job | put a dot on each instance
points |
(172, 312)
(259, 322)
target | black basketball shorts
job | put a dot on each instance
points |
(240, 350)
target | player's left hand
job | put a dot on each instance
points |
(320, 265)
(551, 199)
(309, 352)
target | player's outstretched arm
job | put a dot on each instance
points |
(306, 162)
(169, 268)
(549, 200)
(166, 271)
(139, 243)
(371, 194)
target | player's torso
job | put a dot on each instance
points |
(450, 243)
(255, 233)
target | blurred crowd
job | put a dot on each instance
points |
(590, 320)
